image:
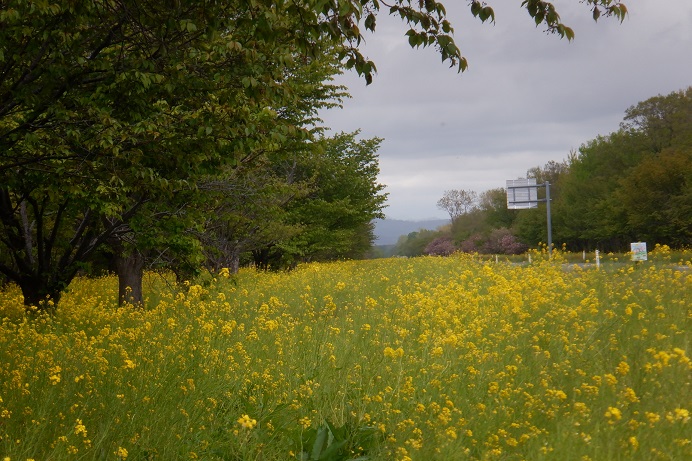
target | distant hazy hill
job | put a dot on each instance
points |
(388, 231)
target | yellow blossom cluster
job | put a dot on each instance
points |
(246, 422)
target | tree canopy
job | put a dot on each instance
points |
(457, 202)
(633, 184)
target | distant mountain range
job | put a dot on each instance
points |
(388, 231)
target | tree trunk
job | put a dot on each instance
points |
(130, 270)
(261, 258)
(39, 296)
(234, 266)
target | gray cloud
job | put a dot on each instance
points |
(526, 98)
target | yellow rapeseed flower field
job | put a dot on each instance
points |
(394, 359)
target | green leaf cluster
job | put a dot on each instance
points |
(345, 443)
(342, 198)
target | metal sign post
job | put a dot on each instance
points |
(550, 224)
(523, 194)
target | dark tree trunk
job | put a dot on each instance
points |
(183, 273)
(130, 270)
(261, 258)
(39, 295)
(44, 243)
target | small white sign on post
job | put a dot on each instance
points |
(638, 251)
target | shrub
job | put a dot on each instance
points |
(502, 241)
(441, 246)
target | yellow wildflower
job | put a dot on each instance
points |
(611, 379)
(623, 368)
(630, 395)
(613, 414)
(679, 414)
(304, 422)
(246, 422)
(652, 417)
(393, 353)
(79, 428)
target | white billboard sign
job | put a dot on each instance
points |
(522, 193)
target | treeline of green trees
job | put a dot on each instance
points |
(632, 185)
(137, 136)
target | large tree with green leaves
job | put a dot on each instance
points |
(656, 198)
(249, 213)
(493, 203)
(334, 219)
(235, 208)
(111, 107)
(251, 202)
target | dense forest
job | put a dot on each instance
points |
(632, 185)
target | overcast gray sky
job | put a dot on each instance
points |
(526, 98)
